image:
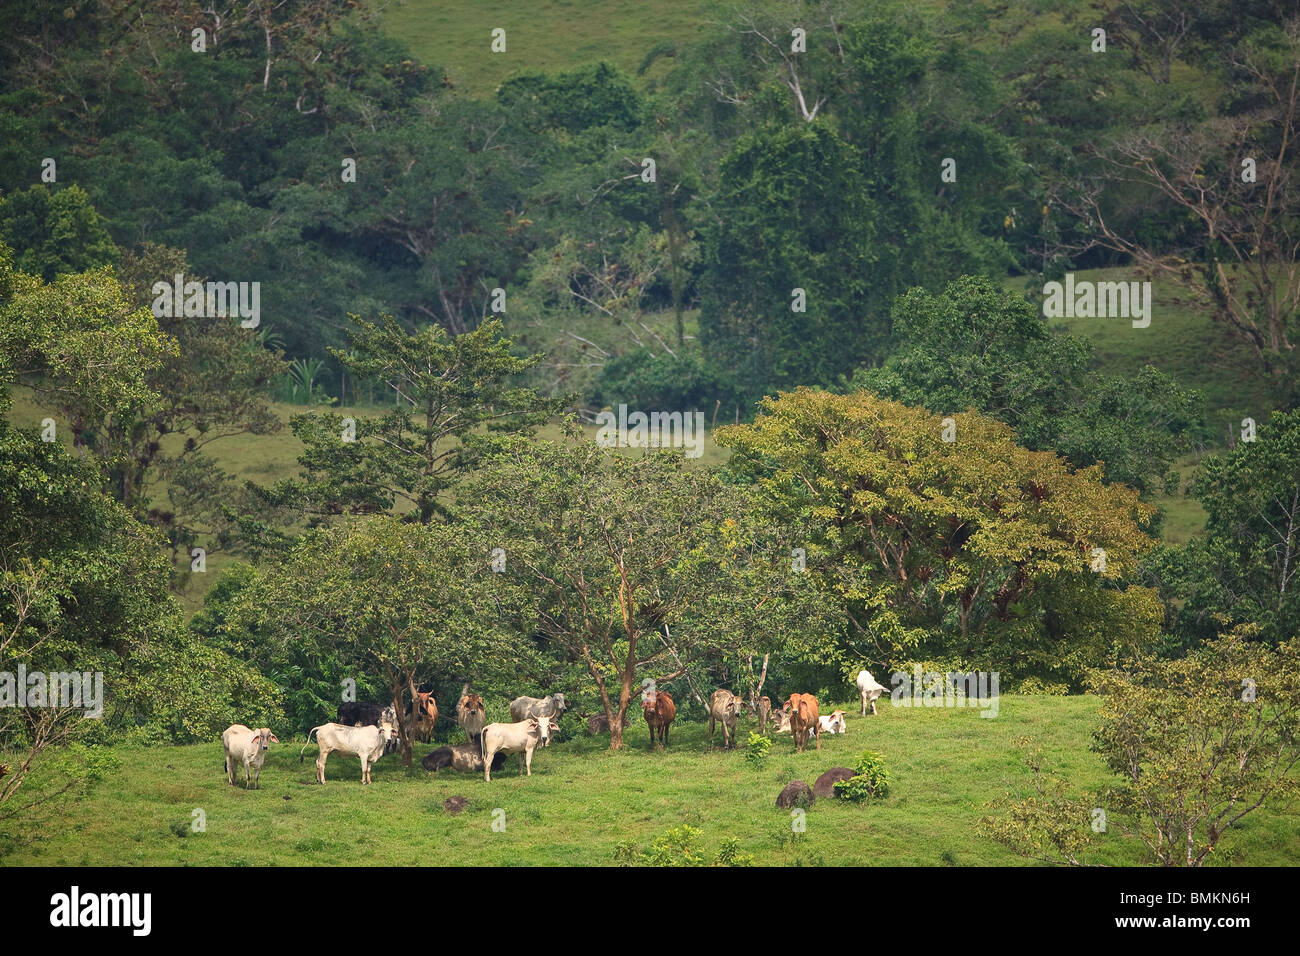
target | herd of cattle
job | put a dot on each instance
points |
(368, 731)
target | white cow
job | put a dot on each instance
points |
(246, 746)
(367, 742)
(834, 724)
(869, 690)
(519, 738)
(521, 708)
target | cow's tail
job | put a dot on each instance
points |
(304, 746)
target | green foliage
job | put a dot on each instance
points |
(791, 214)
(1239, 570)
(643, 380)
(54, 232)
(1195, 746)
(970, 549)
(597, 95)
(680, 846)
(455, 395)
(870, 780)
(757, 749)
(978, 346)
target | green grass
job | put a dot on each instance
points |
(1183, 341)
(583, 800)
(546, 35)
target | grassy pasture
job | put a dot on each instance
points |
(582, 801)
(547, 35)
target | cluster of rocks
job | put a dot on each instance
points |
(799, 794)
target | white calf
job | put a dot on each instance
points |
(834, 724)
(248, 747)
(869, 690)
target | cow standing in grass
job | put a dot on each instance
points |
(725, 708)
(553, 705)
(518, 738)
(246, 746)
(660, 712)
(421, 716)
(471, 715)
(368, 743)
(804, 719)
(869, 690)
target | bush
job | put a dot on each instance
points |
(871, 778)
(757, 749)
(680, 846)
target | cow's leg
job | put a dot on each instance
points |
(320, 766)
(230, 771)
(487, 765)
(873, 707)
(247, 778)
(528, 760)
(819, 737)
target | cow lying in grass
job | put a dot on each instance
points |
(368, 743)
(834, 724)
(460, 757)
(248, 747)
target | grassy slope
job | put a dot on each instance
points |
(583, 800)
(547, 35)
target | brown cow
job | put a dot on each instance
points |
(804, 719)
(471, 715)
(421, 716)
(660, 711)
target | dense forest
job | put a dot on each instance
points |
(825, 230)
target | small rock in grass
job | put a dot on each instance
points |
(795, 794)
(455, 805)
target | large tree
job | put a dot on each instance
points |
(972, 549)
(978, 346)
(642, 567)
(452, 395)
(411, 602)
(1245, 567)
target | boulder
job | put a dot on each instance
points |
(825, 785)
(795, 794)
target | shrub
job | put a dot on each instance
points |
(870, 780)
(757, 749)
